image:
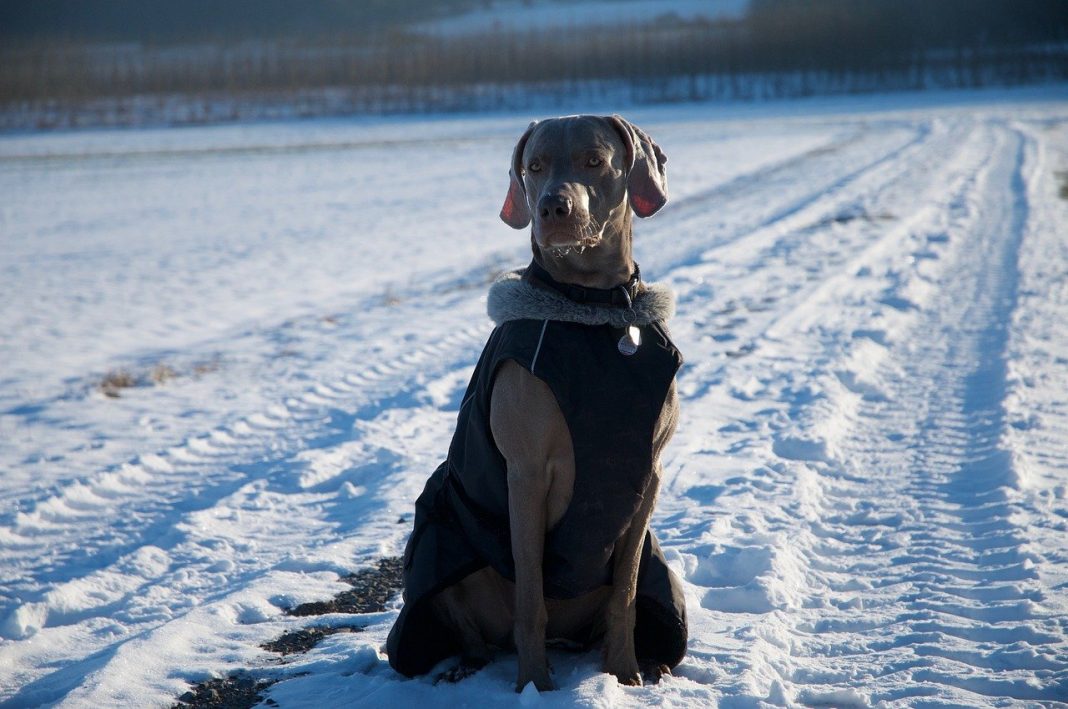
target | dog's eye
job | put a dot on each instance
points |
(534, 166)
(594, 162)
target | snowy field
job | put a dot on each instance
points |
(867, 496)
(522, 15)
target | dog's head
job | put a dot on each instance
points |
(575, 176)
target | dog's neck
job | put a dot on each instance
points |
(606, 265)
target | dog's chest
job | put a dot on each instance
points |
(611, 402)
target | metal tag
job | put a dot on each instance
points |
(631, 340)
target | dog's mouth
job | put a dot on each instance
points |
(579, 247)
(560, 243)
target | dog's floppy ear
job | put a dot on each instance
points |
(516, 212)
(646, 168)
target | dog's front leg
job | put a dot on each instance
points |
(532, 435)
(619, 656)
(527, 490)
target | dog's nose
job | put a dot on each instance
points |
(555, 206)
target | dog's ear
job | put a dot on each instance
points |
(646, 168)
(516, 211)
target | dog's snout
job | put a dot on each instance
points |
(552, 207)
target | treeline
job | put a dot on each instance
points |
(849, 27)
(208, 20)
(781, 48)
(890, 23)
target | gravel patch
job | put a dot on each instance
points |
(238, 691)
(296, 641)
(371, 590)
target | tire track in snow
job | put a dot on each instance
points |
(762, 282)
(816, 535)
(975, 602)
(166, 554)
(922, 578)
(110, 515)
(681, 236)
(758, 572)
(1036, 407)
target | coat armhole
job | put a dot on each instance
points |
(528, 368)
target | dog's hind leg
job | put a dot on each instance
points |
(619, 656)
(478, 611)
(621, 609)
(453, 608)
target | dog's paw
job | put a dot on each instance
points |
(542, 681)
(653, 671)
(626, 672)
(627, 678)
(619, 661)
(465, 669)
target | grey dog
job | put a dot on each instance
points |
(536, 526)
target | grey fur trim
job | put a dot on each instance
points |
(511, 298)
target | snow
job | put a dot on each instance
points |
(521, 15)
(867, 496)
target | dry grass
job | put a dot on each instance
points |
(115, 381)
(1062, 175)
(202, 368)
(162, 373)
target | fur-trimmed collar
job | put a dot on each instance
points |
(512, 298)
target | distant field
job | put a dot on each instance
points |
(506, 56)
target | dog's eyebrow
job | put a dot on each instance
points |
(537, 153)
(597, 145)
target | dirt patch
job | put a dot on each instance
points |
(371, 591)
(202, 368)
(305, 639)
(116, 381)
(1062, 175)
(162, 373)
(112, 383)
(238, 691)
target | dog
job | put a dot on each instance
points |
(536, 526)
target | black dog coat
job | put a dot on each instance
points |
(611, 402)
